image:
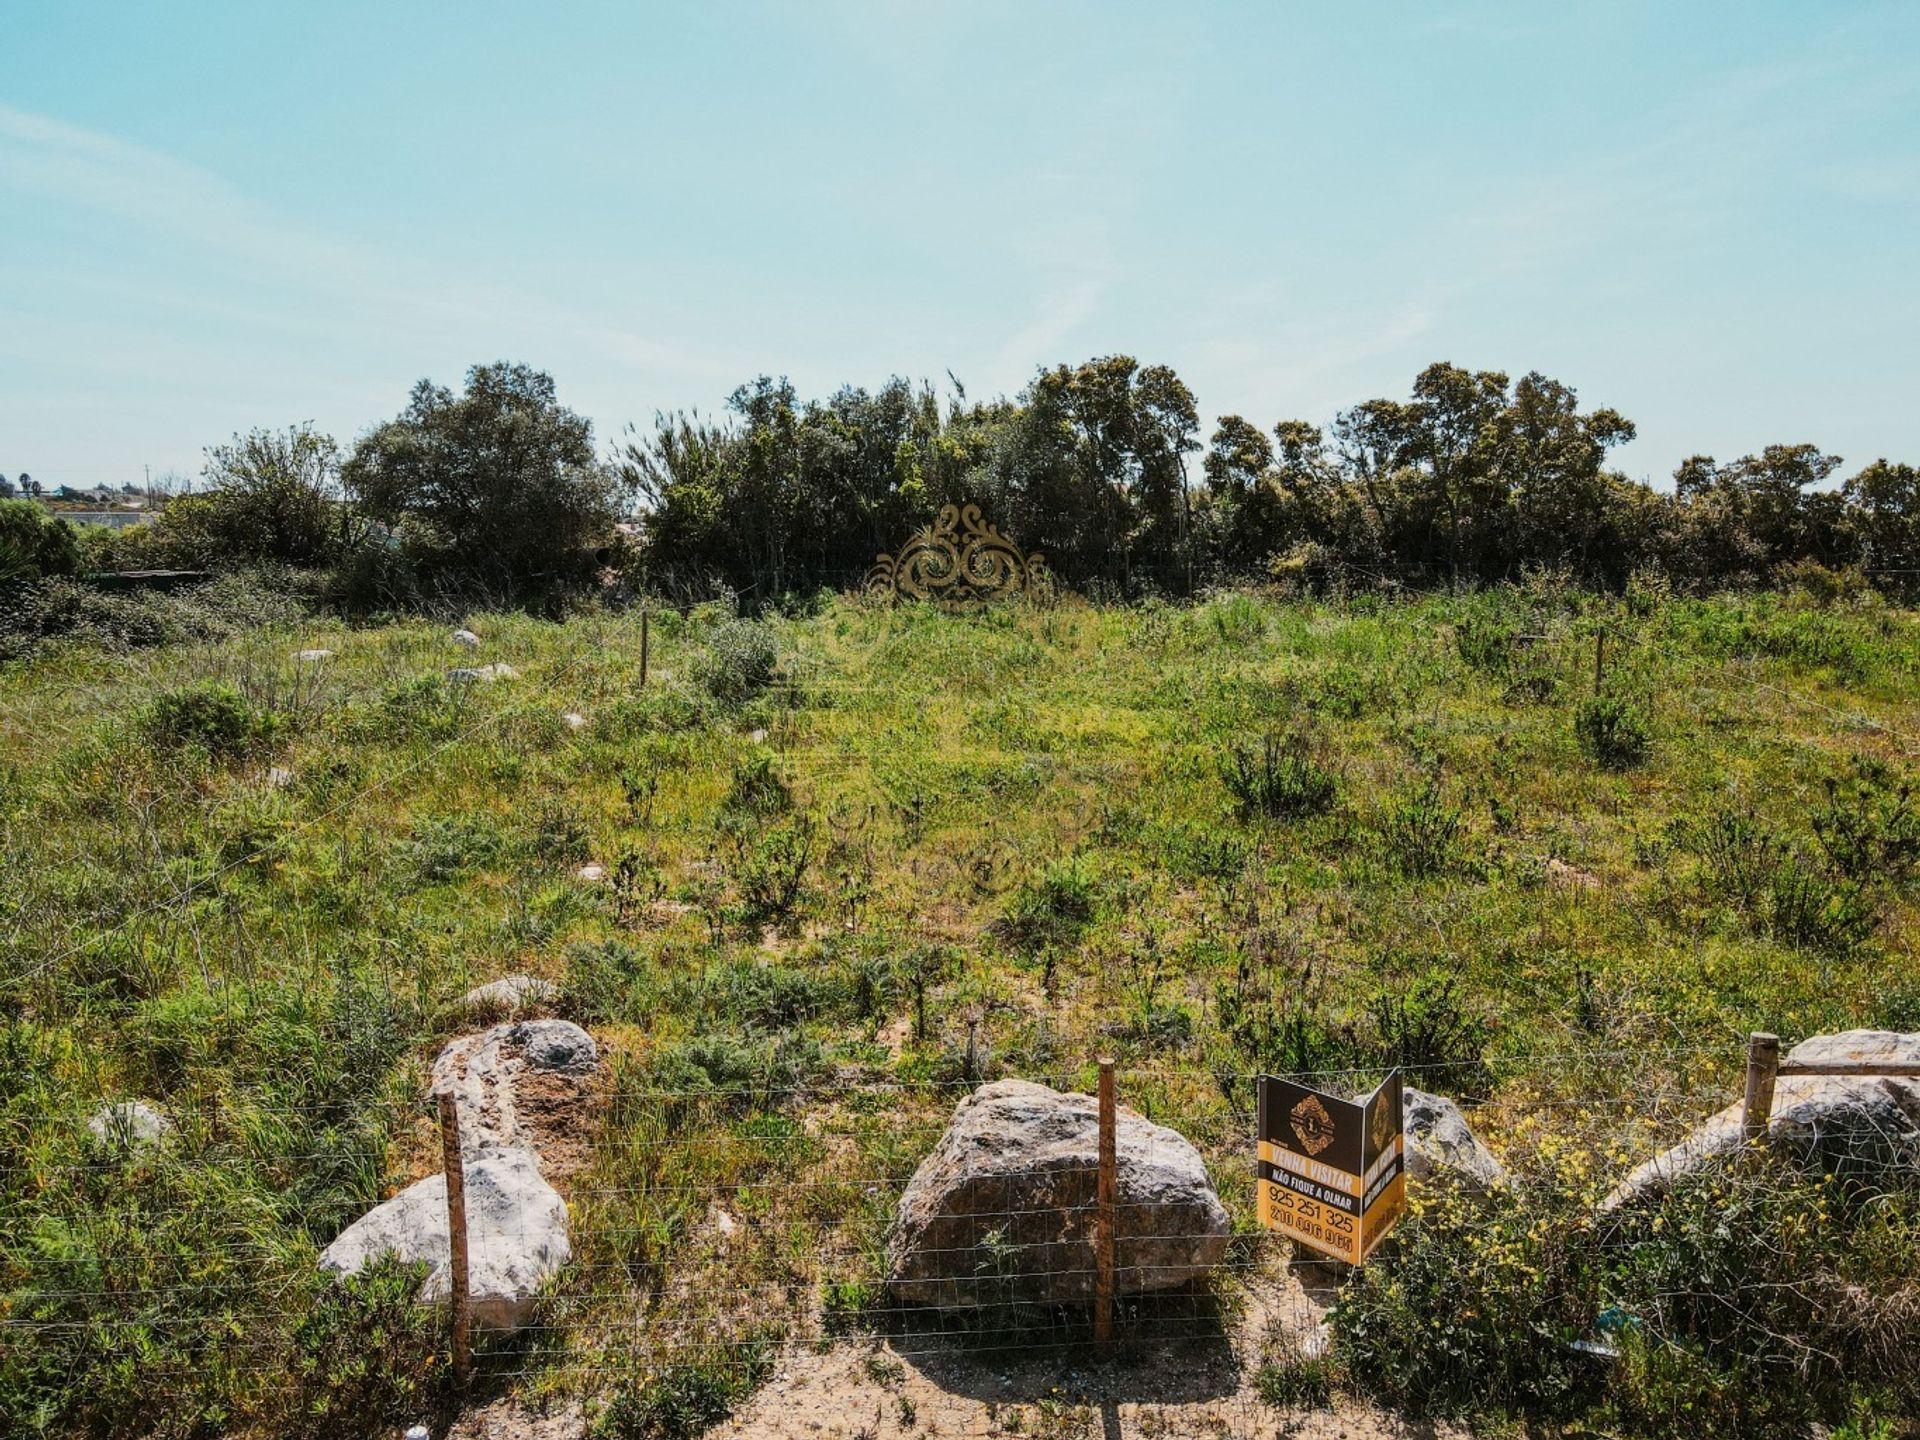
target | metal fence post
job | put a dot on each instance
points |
(456, 1174)
(1763, 1063)
(1108, 1199)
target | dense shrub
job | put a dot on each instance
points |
(271, 497)
(213, 716)
(34, 545)
(1614, 732)
(740, 660)
(1281, 778)
(497, 490)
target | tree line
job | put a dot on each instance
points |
(1472, 479)
(498, 492)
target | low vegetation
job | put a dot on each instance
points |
(859, 857)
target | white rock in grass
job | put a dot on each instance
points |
(277, 777)
(466, 638)
(555, 1045)
(593, 872)
(133, 1124)
(1850, 1125)
(509, 993)
(516, 1236)
(1003, 1206)
(311, 656)
(758, 737)
(573, 720)
(1439, 1138)
(484, 674)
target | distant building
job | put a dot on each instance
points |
(114, 519)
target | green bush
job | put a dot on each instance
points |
(1426, 1029)
(214, 716)
(1614, 733)
(687, 1398)
(34, 545)
(1421, 828)
(1052, 908)
(741, 659)
(1281, 778)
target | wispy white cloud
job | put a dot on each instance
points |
(350, 291)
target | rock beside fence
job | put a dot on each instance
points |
(516, 1236)
(1440, 1140)
(1851, 1125)
(1003, 1209)
(503, 1081)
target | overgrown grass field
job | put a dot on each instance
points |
(1554, 853)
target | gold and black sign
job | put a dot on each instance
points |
(1331, 1170)
(960, 562)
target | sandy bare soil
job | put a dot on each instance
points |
(914, 1385)
(923, 1385)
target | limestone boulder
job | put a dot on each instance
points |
(1850, 1125)
(1003, 1208)
(516, 1236)
(480, 1071)
(130, 1125)
(508, 994)
(1439, 1140)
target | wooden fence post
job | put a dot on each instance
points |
(645, 613)
(1763, 1063)
(456, 1233)
(1108, 1199)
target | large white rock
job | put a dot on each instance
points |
(1850, 1125)
(508, 994)
(1439, 1139)
(516, 1221)
(466, 638)
(516, 1236)
(1004, 1206)
(134, 1124)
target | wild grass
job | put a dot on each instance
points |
(858, 859)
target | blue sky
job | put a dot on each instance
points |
(215, 216)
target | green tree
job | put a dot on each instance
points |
(34, 545)
(496, 489)
(272, 496)
(1884, 517)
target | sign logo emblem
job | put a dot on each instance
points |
(960, 562)
(1312, 1125)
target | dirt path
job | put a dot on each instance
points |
(923, 1385)
(912, 1385)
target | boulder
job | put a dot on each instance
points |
(556, 1045)
(479, 1071)
(1850, 1125)
(1439, 1138)
(130, 1124)
(516, 1236)
(573, 720)
(483, 674)
(278, 777)
(1003, 1208)
(311, 657)
(508, 994)
(466, 638)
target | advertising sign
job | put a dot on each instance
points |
(1331, 1170)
